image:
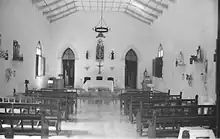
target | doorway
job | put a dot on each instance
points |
(68, 61)
(131, 69)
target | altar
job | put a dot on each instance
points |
(98, 84)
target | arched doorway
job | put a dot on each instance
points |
(68, 61)
(131, 69)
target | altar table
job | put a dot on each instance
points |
(98, 84)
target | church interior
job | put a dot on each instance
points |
(109, 69)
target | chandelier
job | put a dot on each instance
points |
(101, 27)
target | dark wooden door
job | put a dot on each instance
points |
(131, 70)
(68, 68)
(68, 72)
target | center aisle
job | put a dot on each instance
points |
(100, 121)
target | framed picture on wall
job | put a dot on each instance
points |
(17, 56)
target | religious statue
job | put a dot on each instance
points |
(199, 53)
(16, 51)
(100, 50)
(180, 59)
(145, 74)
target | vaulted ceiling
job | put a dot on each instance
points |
(146, 11)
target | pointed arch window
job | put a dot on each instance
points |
(40, 61)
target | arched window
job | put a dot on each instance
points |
(160, 51)
(40, 61)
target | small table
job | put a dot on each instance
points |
(98, 84)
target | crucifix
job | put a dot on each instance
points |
(99, 66)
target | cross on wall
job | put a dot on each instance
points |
(99, 66)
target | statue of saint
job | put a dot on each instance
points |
(145, 74)
(199, 55)
(100, 50)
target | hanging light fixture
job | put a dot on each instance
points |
(101, 27)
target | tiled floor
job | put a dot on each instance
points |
(101, 121)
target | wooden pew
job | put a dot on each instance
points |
(169, 118)
(69, 99)
(125, 97)
(19, 115)
(14, 99)
(168, 125)
(151, 100)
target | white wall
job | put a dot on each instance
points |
(188, 24)
(76, 32)
(21, 21)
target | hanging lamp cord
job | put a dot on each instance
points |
(101, 13)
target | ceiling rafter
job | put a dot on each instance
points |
(36, 1)
(127, 5)
(119, 6)
(148, 13)
(60, 13)
(160, 4)
(146, 18)
(90, 5)
(146, 22)
(82, 4)
(106, 7)
(49, 4)
(144, 10)
(57, 8)
(172, 1)
(105, 4)
(152, 8)
(65, 15)
(113, 4)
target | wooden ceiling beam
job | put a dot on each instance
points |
(148, 13)
(160, 4)
(173, 1)
(146, 18)
(60, 13)
(146, 5)
(131, 15)
(36, 1)
(58, 8)
(65, 15)
(49, 4)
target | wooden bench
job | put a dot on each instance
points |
(125, 97)
(16, 116)
(165, 121)
(68, 99)
(150, 100)
(14, 99)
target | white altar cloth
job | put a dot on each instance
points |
(98, 84)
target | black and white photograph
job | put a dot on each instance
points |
(109, 69)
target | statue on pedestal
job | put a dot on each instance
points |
(146, 81)
(146, 77)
